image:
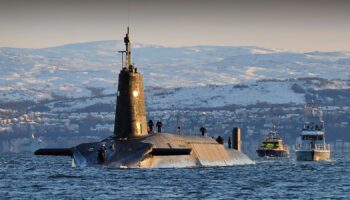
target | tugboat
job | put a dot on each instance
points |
(311, 144)
(272, 146)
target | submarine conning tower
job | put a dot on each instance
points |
(130, 116)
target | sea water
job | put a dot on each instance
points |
(25, 176)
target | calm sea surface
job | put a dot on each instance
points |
(24, 176)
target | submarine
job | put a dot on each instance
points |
(132, 146)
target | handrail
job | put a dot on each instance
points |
(312, 147)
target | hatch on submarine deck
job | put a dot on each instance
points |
(132, 146)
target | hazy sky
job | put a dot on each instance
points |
(286, 24)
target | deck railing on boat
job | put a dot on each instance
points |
(312, 147)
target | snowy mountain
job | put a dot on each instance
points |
(278, 92)
(90, 69)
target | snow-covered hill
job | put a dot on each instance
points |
(290, 91)
(90, 69)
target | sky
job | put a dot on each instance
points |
(281, 24)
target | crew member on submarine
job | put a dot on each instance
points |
(159, 125)
(203, 130)
(150, 126)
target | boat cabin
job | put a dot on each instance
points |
(272, 141)
(277, 144)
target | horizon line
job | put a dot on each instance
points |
(173, 46)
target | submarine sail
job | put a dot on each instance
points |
(130, 115)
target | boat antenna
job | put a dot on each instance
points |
(127, 62)
(128, 50)
(274, 128)
(128, 13)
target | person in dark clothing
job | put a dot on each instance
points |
(159, 126)
(203, 130)
(229, 142)
(179, 129)
(101, 154)
(220, 140)
(150, 126)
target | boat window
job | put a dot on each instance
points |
(307, 137)
(270, 145)
(312, 137)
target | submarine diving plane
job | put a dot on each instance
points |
(132, 146)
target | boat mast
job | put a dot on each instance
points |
(128, 50)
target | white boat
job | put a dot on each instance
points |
(311, 144)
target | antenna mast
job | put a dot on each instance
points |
(128, 50)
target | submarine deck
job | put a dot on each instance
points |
(160, 150)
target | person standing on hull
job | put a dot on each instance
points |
(203, 130)
(159, 126)
(101, 156)
(150, 126)
(179, 129)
